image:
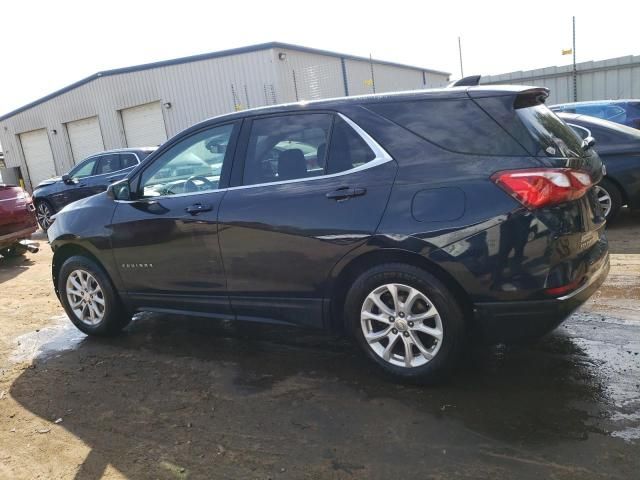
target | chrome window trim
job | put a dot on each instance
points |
(102, 154)
(381, 157)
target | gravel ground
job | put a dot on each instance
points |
(189, 398)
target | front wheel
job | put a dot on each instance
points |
(44, 212)
(89, 298)
(406, 321)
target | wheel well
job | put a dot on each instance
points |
(616, 183)
(64, 252)
(368, 260)
(44, 200)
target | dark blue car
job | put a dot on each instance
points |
(624, 112)
(619, 149)
(92, 175)
(412, 221)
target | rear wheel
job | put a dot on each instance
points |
(44, 212)
(406, 321)
(89, 298)
(609, 198)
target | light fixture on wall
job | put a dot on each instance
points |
(54, 131)
(167, 105)
(282, 56)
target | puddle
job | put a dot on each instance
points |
(61, 335)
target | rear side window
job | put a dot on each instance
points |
(348, 149)
(128, 160)
(457, 125)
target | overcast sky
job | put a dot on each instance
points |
(46, 45)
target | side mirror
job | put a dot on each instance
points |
(67, 179)
(588, 143)
(119, 190)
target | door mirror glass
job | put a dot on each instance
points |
(119, 190)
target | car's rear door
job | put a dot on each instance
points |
(165, 242)
(293, 214)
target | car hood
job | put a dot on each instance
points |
(49, 181)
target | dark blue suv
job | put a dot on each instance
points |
(624, 112)
(92, 175)
(412, 221)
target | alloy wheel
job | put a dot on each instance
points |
(85, 297)
(604, 199)
(43, 215)
(401, 325)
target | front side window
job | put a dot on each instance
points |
(190, 166)
(108, 164)
(85, 169)
(287, 147)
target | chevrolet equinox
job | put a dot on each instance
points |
(413, 221)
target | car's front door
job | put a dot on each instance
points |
(77, 186)
(165, 240)
(312, 187)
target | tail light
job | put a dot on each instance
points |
(543, 187)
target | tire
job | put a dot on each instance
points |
(14, 251)
(432, 297)
(110, 317)
(607, 189)
(44, 210)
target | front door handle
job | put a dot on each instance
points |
(343, 193)
(197, 208)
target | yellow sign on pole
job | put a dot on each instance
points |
(567, 51)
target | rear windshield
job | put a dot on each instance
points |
(552, 137)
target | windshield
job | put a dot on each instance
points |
(552, 136)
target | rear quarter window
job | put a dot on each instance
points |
(458, 125)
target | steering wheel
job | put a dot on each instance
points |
(191, 186)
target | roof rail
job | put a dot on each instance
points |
(470, 81)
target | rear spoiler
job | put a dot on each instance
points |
(470, 81)
(531, 97)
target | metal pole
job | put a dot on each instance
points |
(373, 79)
(575, 72)
(460, 51)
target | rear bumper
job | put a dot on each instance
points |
(521, 320)
(14, 237)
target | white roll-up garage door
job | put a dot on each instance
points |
(144, 125)
(85, 138)
(38, 156)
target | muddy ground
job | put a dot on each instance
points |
(184, 398)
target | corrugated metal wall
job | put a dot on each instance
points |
(201, 89)
(611, 79)
(196, 91)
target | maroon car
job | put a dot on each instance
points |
(17, 221)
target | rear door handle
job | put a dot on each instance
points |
(197, 208)
(343, 193)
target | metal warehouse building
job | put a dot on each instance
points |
(144, 105)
